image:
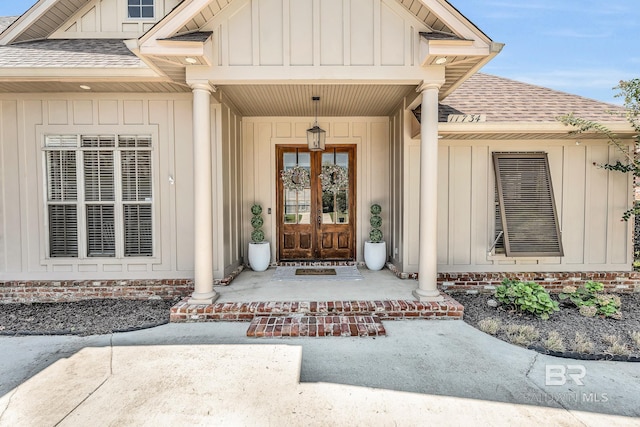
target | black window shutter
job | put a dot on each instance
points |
(527, 205)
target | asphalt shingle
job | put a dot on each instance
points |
(5, 21)
(86, 53)
(506, 100)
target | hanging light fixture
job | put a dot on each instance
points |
(316, 136)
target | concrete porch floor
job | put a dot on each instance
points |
(259, 286)
(256, 294)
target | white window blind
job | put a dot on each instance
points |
(140, 8)
(136, 194)
(106, 187)
(527, 205)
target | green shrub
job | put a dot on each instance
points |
(527, 297)
(589, 295)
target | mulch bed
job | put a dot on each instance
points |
(567, 322)
(89, 317)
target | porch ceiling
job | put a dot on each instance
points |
(295, 100)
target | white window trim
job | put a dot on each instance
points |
(156, 13)
(42, 131)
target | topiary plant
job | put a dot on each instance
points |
(257, 235)
(376, 222)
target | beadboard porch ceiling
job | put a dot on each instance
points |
(295, 100)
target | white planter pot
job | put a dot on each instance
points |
(259, 256)
(375, 255)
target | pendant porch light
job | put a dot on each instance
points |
(316, 136)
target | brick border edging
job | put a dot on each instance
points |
(473, 283)
(47, 291)
(385, 309)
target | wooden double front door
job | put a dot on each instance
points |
(316, 203)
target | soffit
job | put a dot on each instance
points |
(48, 21)
(96, 87)
(295, 100)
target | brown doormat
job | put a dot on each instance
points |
(315, 271)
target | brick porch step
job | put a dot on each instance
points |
(316, 326)
(386, 310)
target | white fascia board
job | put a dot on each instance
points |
(315, 75)
(22, 74)
(172, 22)
(455, 20)
(164, 48)
(429, 49)
(620, 128)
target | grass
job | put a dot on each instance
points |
(582, 344)
(635, 337)
(554, 342)
(522, 335)
(616, 346)
(489, 325)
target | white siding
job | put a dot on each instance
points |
(590, 202)
(23, 234)
(109, 19)
(319, 33)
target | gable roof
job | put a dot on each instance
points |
(506, 100)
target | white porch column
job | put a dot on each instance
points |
(428, 270)
(202, 197)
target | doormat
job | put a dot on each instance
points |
(316, 272)
(347, 272)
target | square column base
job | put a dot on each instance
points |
(427, 296)
(205, 298)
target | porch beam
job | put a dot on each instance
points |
(202, 197)
(428, 268)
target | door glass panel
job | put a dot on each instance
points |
(335, 185)
(297, 202)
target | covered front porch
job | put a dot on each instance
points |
(254, 68)
(316, 306)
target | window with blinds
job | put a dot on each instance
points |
(140, 8)
(526, 206)
(99, 195)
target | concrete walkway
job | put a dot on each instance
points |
(422, 373)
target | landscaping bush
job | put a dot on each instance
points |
(527, 297)
(591, 302)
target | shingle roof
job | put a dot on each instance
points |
(198, 36)
(506, 100)
(438, 35)
(5, 21)
(89, 53)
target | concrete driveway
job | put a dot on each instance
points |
(422, 373)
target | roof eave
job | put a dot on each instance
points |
(621, 129)
(61, 73)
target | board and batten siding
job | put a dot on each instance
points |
(589, 200)
(315, 33)
(262, 134)
(109, 19)
(23, 239)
